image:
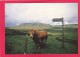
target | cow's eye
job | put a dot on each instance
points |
(28, 34)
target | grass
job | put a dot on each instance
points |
(15, 44)
(18, 43)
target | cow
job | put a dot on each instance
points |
(39, 37)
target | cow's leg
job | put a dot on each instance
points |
(44, 40)
(38, 46)
(35, 44)
(39, 43)
(42, 43)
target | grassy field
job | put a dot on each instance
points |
(17, 42)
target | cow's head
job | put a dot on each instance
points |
(31, 33)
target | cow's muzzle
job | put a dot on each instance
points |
(31, 35)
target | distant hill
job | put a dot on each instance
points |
(31, 26)
(41, 26)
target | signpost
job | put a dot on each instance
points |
(60, 20)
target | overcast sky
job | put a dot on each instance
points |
(17, 13)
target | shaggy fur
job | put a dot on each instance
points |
(39, 37)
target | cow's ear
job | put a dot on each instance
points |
(27, 33)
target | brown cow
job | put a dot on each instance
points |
(38, 36)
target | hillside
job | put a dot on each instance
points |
(41, 26)
(32, 25)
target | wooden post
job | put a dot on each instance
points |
(60, 20)
(62, 33)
